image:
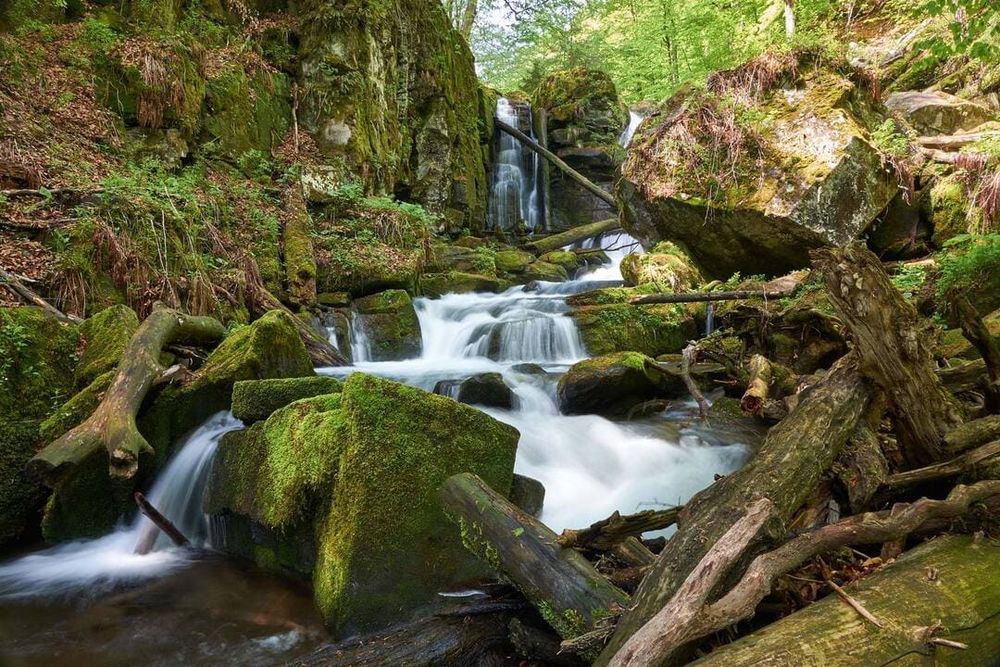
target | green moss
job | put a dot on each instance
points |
(949, 209)
(969, 265)
(513, 261)
(569, 261)
(390, 322)
(81, 506)
(438, 284)
(255, 400)
(544, 271)
(76, 409)
(652, 330)
(19, 495)
(666, 266)
(583, 108)
(105, 336)
(300, 259)
(246, 112)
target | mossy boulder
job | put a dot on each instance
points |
(949, 209)
(446, 257)
(37, 356)
(513, 261)
(937, 112)
(803, 173)
(255, 400)
(438, 284)
(609, 383)
(545, 272)
(666, 266)
(300, 258)
(104, 336)
(570, 261)
(583, 109)
(390, 322)
(652, 330)
(246, 112)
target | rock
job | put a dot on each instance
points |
(545, 272)
(105, 336)
(652, 330)
(592, 256)
(569, 261)
(609, 383)
(949, 209)
(513, 261)
(438, 284)
(255, 400)
(528, 494)
(486, 389)
(529, 369)
(334, 299)
(901, 231)
(37, 355)
(343, 488)
(390, 322)
(820, 180)
(666, 265)
(446, 257)
(937, 112)
(298, 252)
(954, 344)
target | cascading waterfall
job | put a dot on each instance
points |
(101, 564)
(514, 198)
(616, 245)
(634, 119)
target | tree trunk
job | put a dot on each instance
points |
(894, 349)
(692, 297)
(568, 592)
(573, 235)
(605, 534)
(587, 184)
(950, 579)
(786, 469)
(468, 19)
(753, 399)
(112, 425)
(976, 333)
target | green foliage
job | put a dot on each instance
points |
(973, 30)
(969, 262)
(909, 279)
(890, 140)
(485, 260)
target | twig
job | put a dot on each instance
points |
(20, 290)
(854, 604)
(692, 297)
(950, 643)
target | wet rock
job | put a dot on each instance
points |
(608, 384)
(334, 299)
(255, 400)
(390, 322)
(937, 112)
(446, 257)
(570, 261)
(438, 284)
(486, 389)
(513, 261)
(619, 327)
(529, 369)
(666, 266)
(901, 231)
(528, 494)
(545, 272)
(950, 210)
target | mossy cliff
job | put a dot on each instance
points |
(343, 487)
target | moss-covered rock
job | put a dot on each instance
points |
(937, 112)
(949, 209)
(539, 270)
(438, 284)
(652, 330)
(104, 336)
(246, 111)
(609, 383)
(513, 261)
(300, 258)
(528, 494)
(76, 409)
(255, 400)
(666, 266)
(390, 322)
(570, 261)
(583, 108)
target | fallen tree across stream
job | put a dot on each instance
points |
(572, 235)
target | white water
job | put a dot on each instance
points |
(514, 196)
(97, 565)
(634, 120)
(616, 245)
(590, 466)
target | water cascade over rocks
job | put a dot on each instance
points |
(514, 197)
(634, 119)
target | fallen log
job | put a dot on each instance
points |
(112, 425)
(568, 592)
(753, 399)
(986, 456)
(28, 295)
(579, 178)
(953, 142)
(975, 332)
(607, 533)
(572, 235)
(966, 377)
(687, 358)
(893, 348)
(949, 579)
(694, 297)
(862, 467)
(786, 470)
(160, 523)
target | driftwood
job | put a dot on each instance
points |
(752, 402)
(688, 616)
(28, 295)
(862, 467)
(687, 358)
(786, 470)
(570, 594)
(693, 297)
(894, 350)
(976, 333)
(579, 178)
(953, 142)
(112, 425)
(950, 580)
(572, 235)
(160, 522)
(608, 533)
(967, 377)
(986, 456)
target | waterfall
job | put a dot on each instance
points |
(634, 119)
(616, 245)
(709, 319)
(96, 565)
(514, 197)
(360, 342)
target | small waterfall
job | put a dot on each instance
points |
(514, 199)
(616, 245)
(101, 564)
(634, 119)
(361, 349)
(709, 319)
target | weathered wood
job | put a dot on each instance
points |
(687, 359)
(572, 235)
(29, 296)
(975, 332)
(694, 297)
(893, 346)
(605, 534)
(753, 399)
(952, 142)
(786, 469)
(539, 647)
(861, 467)
(632, 551)
(582, 180)
(949, 579)
(112, 425)
(160, 522)
(985, 456)
(966, 377)
(972, 434)
(568, 592)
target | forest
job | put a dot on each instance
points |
(489, 333)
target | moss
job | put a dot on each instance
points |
(105, 336)
(20, 496)
(652, 330)
(390, 322)
(949, 209)
(246, 112)
(544, 271)
(570, 261)
(513, 261)
(76, 409)
(386, 545)
(82, 506)
(255, 400)
(583, 108)
(666, 266)
(438, 284)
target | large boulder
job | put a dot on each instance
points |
(487, 389)
(774, 189)
(937, 112)
(439, 284)
(610, 383)
(666, 266)
(620, 326)
(255, 400)
(390, 322)
(343, 488)
(104, 336)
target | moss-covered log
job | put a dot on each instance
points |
(951, 580)
(112, 425)
(574, 235)
(786, 470)
(570, 594)
(894, 349)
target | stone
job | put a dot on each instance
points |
(439, 284)
(936, 112)
(513, 261)
(619, 327)
(545, 272)
(609, 384)
(105, 336)
(666, 266)
(255, 400)
(570, 261)
(528, 494)
(390, 322)
(486, 389)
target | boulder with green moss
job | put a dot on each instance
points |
(439, 284)
(619, 327)
(255, 400)
(37, 356)
(582, 109)
(936, 112)
(104, 336)
(949, 209)
(487, 389)
(610, 383)
(544, 271)
(513, 261)
(801, 174)
(666, 266)
(300, 258)
(570, 261)
(391, 325)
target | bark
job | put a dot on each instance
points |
(985, 458)
(692, 297)
(576, 176)
(607, 533)
(29, 296)
(894, 349)
(539, 647)
(752, 402)
(965, 377)
(950, 579)
(862, 467)
(568, 592)
(971, 434)
(468, 19)
(687, 358)
(160, 522)
(976, 333)
(573, 235)
(786, 470)
(112, 425)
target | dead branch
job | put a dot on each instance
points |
(607, 533)
(29, 296)
(752, 402)
(693, 297)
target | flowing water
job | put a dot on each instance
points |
(634, 119)
(514, 196)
